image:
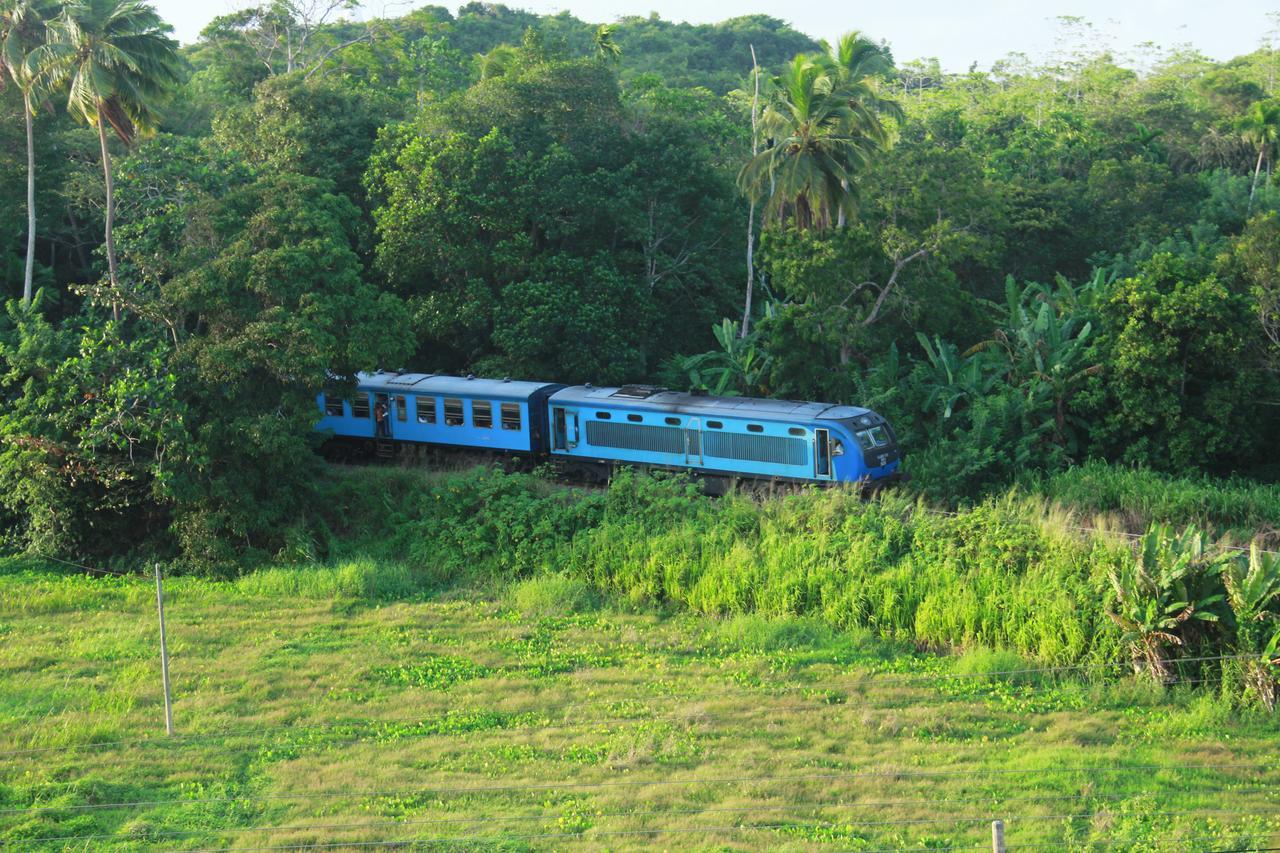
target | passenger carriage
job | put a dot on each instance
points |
(447, 411)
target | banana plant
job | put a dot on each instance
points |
(1253, 591)
(952, 378)
(1169, 584)
(1042, 349)
(738, 367)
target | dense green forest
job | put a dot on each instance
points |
(1054, 260)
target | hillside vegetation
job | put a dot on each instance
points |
(1018, 572)
(1057, 260)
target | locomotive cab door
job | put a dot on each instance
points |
(564, 428)
(822, 454)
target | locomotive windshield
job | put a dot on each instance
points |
(872, 438)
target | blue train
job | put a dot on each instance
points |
(589, 431)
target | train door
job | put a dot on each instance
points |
(564, 428)
(693, 443)
(822, 454)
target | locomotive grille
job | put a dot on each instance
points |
(653, 439)
(774, 449)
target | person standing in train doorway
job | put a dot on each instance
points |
(381, 421)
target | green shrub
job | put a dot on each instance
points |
(552, 595)
(987, 664)
(756, 633)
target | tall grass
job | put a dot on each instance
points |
(1137, 498)
(1006, 574)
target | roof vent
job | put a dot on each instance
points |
(506, 379)
(471, 376)
(637, 392)
(588, 385)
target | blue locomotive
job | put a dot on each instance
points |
(592, 430)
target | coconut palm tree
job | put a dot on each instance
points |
(812, 151)
(22, 32)
(858, 65)
(826, 121)
(499, 62)
(1260, 126)
(607, 50)
(117, 60)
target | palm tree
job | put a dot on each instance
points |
(498, 62)
(858, 64)
(117, 59)
(22, 32)
(826, 121)
(1260, 126)
(812, 152)
(607, 49)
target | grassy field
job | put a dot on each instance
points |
(334, 706)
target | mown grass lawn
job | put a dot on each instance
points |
(312, 710)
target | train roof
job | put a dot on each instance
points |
(432, 383)
(644, 397)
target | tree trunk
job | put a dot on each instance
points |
(31, 207)
(751, 270)
(751, 214)
(111, 218)
(1257, 170)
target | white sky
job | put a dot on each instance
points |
(957, 32)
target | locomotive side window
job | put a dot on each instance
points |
(754, 428)
(714, 425)
(511, 416)
(426, 410)
(796, 431)
(673, 422)
(604, 416)
(481, 414)
(635, 419)
(333, 406)
(360, 406)
(452, 411)
(402, 408)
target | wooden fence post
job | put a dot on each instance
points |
(164, 655)
(997, 836)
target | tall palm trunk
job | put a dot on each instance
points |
(111, 216)
(31, 207)
(1257, 170)
(751, 214)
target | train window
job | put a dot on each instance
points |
(452, 411)
(482, 414)
(754, 428)
(673, 422)
(796, 431)
(635, 419)
(714, 425)
(426, 410)
(402, 408)
(333, 406)
(872, 438)
(511, 416)
(603, 416)
(360, 406)
(837, 447)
